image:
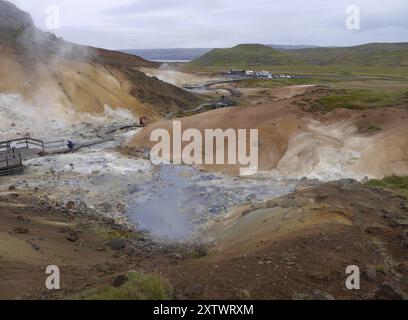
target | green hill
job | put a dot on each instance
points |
(375, 56)
(241, 55)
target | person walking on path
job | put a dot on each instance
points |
(70, 145)
(13, 147)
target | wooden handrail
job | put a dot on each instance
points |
(12, 161)
(13, 156)
(27, 141)
(21, 139)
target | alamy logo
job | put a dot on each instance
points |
(53, 281)
(52, 21)
(353, 17)
(353, 281)
(228, 146)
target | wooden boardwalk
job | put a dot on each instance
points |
(11, 161)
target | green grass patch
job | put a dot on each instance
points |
(199, 253)
(398, 185)
(361, 99)
(393, 182)
(373, 128)
(138, 286)
(108, 233)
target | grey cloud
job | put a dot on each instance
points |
(220, 23)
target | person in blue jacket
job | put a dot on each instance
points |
(70, 145)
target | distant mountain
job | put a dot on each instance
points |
(290, 47)
(169, 54)
(188, 54)
(370, 55)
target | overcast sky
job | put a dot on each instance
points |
(138, 24)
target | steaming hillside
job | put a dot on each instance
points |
(48, 72)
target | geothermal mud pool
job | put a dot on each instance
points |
(169, 202)
(179, 199)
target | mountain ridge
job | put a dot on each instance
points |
(188, 54)
(372, 54)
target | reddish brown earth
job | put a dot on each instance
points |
(300, 245)
(297, 246)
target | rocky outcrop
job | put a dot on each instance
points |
(13, 18)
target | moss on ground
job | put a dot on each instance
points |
(138, 286)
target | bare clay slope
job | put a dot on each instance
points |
(48, 70)
(297, 143)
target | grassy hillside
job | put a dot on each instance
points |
(375, 54)
(376, 58)
(241, 55)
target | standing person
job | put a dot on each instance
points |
(142, 124)
(70, 145)
(13, 146)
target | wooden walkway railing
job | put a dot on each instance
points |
(13, 151)
(11, 163)
(28, 143)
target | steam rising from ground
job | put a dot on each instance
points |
(179, 199)
(51, 121)
(325, 152)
